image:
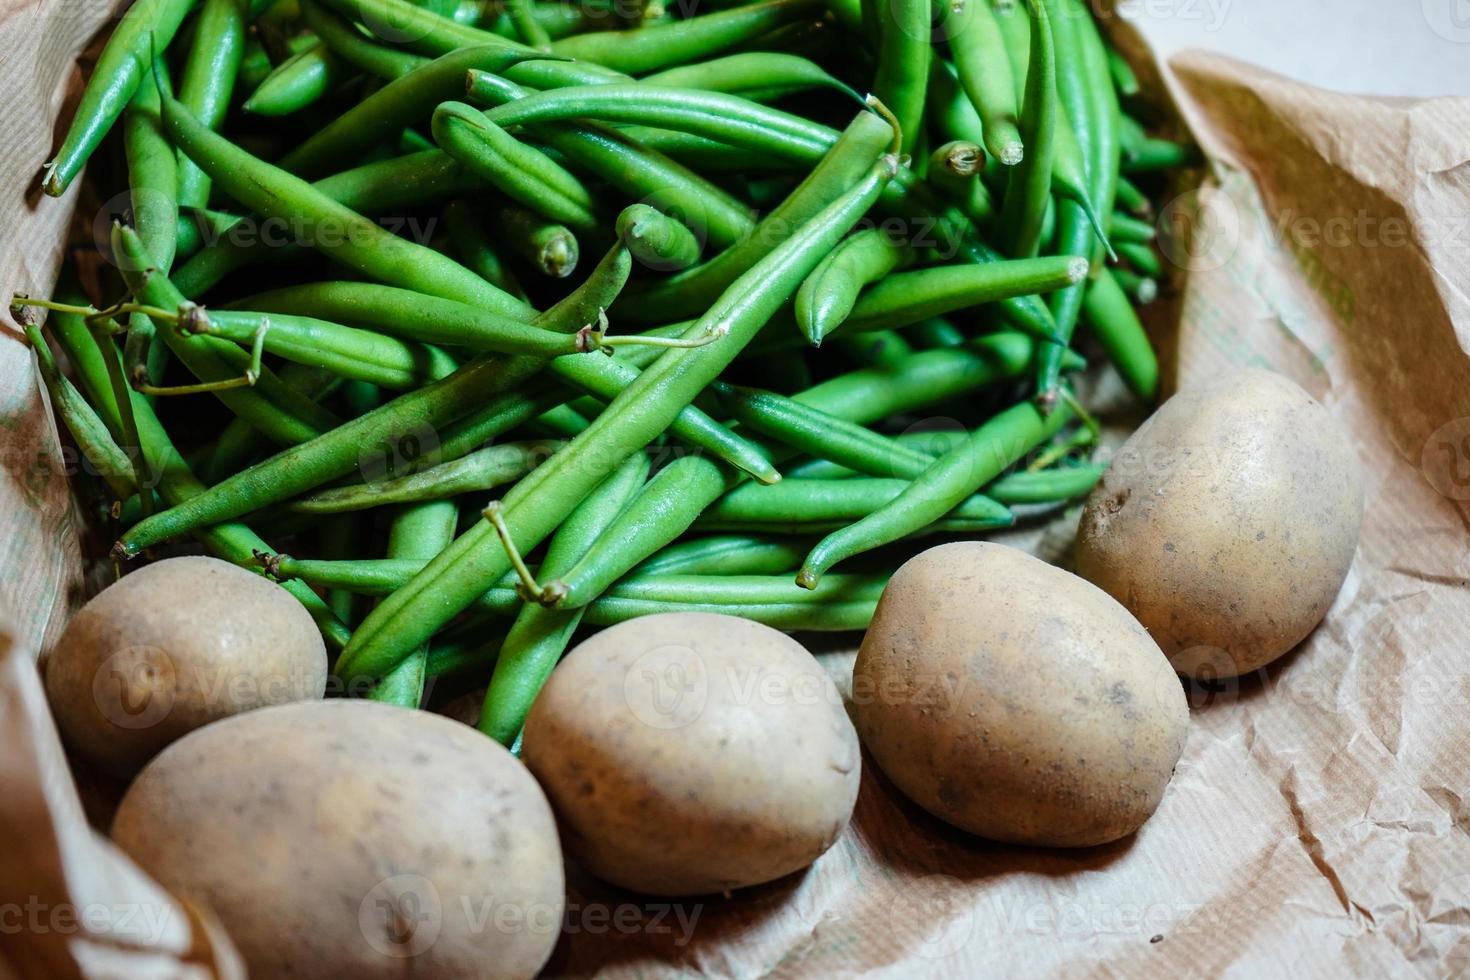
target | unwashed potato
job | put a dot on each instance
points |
(354, 839)
(689, 753)
(173, 646)
(1016, 701)
(1227, 523)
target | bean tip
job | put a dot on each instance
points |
(1012, 154)
(1077, 269)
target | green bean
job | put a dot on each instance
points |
(1131, 135)
(87, 430)
(935, 332)
(985, 73)
(539, 635)
(471, 406)
(153, 189)
(557, 20)
(726, 554)
(404, 313)
(752, 74)
(519, 170)
(424, 30)
(345, 41)
(1028, 189)
(1117, 328)
(418, 531)
(301, 80)
(403, 101)
(119, 69)
(950, 112)
(821, 434)
(1132, 198)
(549, 247)
(714, 115)
(345, 351)
(1045, 486)
(903, 63)
(526, 25)
(1141, 289)
(692, 290)
(1124, 78)
(709, 156)
(1157, 154)
(876, 348)
(824, 502)
(828, 295)
(656, 240)
(256, 64)
(957, 158)
(910, 297)
(1126, 228)
(208, 80)
(374, 188)
(1142, 257)
(535, 505)
(680, 492)
(482, 470)
(635, 170)
(663, 45)
(233, 542)
(474, 248)
(274, 193)
(990, 450)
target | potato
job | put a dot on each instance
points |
(688, 753)
(354, 839)
(1016, 701)
(1227, 523)
(173, 646)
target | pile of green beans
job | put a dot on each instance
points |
(615, 280)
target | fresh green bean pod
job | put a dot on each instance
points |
(726, 554)
(300, 81)
(823, 502)
(1115, 324)
(657, 241)
(345, 351)
(419, 531)
(519, 170)
(485, 469)
(990, 451)
(208, 81)
(351, 47)
(827, 296)
(119, 70)
(750, 72)
(910, 297)
(1045, 486)
(664, 45)
(475, 249)
(984, 72)
(539, 635)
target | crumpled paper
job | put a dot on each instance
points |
(1317, 823)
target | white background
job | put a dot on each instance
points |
(1381, 47)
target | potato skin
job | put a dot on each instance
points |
(1016, 701)
(173, 646)
(1227, 523)
(306, 827)
(689, 753)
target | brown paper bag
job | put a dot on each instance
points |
(1317, 822)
